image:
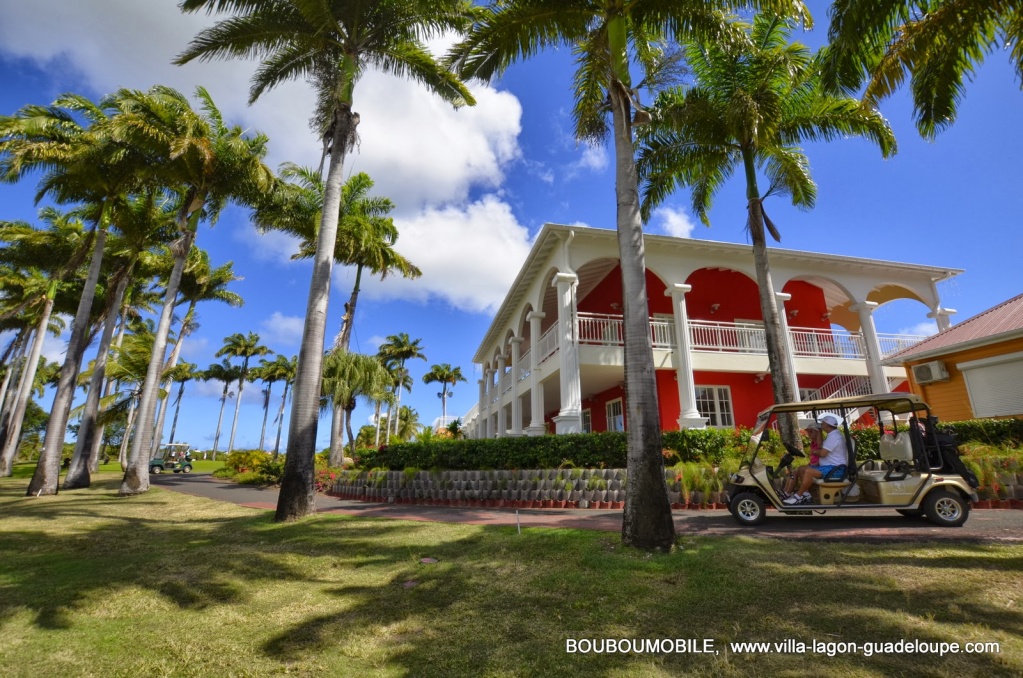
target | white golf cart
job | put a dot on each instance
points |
(917, 473)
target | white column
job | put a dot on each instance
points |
(536, 427)
(516, 403)
(865, 309)
(481, 411)
(689, 416)
(569, 418)
(502, 427)
(490, 398)
(783, 320)
(941, 316)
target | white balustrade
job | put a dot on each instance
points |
(548, 345)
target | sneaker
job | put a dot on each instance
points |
(792, 500)
(806, 498)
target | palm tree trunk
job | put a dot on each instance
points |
(280, 421)
(781, 378)
(16, 364)
(78, 473)
(237, 405)
(136, 478)
(348, 429)
(266, 413)
(220, 420)
(647, 521)
(337, 442)
(344, 338)
(47, 475)
(298, 490)
(177, 410)
(28, 374)
(444, 406)
(15, 353)
(186, 323)
(376, 420)
(122, 455)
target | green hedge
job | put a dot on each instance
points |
(608, 450)
(582, 450)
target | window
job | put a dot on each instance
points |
(615, 415)
(587, 422)
(807, 394)
(993, 385)
(715, 403)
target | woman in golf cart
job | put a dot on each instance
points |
(833, 453)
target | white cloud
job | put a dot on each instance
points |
(272, 246)
(55, 348)
(376, 341)
(195, 347)
(921, 329)
(675, 223)
(446, 243)
(594, 158)
(282, 329)
(417, 147)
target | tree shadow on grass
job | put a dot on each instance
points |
(477, 612)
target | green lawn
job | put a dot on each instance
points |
(169, 584)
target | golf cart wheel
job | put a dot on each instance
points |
(748, 508)
(156, 469)
(911, 513)
(947, 509)
(187, 469)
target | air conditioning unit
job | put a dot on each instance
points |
(925, 373)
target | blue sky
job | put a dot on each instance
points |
(473, 187)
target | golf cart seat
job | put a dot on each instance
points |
(897, 453)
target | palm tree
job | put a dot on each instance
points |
(210, 164)
(330, 42)
(89, 163)
(937, 43)
(227, 374)
(347, 376)
(245, 347)
(365, 235)
(397, 349)
(199, 282)
(44, 254)
(609, 38)
(749, 110)
(409, 426)
(284, 369)
(447, 376)
(181, 374)
(143, 222)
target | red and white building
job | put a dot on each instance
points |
(552, 360)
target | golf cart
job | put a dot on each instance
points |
(918, 471)
(172, 457)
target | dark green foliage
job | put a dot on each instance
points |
(583, 450)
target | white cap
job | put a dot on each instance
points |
(829, 419)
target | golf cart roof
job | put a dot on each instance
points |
(896, 403)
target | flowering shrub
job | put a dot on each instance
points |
(325, 479)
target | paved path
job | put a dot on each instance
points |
(874, 526)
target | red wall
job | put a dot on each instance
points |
(609, 291)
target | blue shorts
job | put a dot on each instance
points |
(825, 470)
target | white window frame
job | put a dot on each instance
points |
(721, 406)
(994, 392)
(611, 417)
(587, 421)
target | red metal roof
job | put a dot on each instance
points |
(1005, 318)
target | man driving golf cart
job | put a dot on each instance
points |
(917, 471)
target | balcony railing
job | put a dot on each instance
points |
(727, 337)
(548, 344)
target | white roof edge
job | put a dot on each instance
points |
(548, 230)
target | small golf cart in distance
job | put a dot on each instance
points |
(172, 457)
(918, 471)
